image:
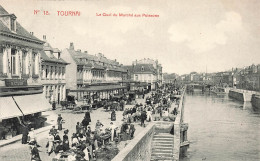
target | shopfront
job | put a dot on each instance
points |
(20, 105)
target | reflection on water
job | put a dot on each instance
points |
(221, 128)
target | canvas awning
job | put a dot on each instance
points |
(8, 108)
(100, 88)
(30, 104)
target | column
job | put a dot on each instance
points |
(47, 91)
(30, 62)
(57, 92)
(44, 90)
(9, 62)
(64, 92)
(37, 63)
(18, 62)
(61, 92)
(5, 63)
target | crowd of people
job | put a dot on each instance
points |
(86, 142)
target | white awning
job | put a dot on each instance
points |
(8, 108)
(34, 103)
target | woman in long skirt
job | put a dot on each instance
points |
(50, 143)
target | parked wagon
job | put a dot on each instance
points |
(69, 103)
(81, 109)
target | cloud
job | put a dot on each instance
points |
(203, 36)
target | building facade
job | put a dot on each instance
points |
(21, 93)
(86, 71)
(248, 78)
(148, 72)
(53, 69)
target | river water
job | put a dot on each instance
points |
(221, 129)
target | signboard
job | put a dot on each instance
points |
(15, 82)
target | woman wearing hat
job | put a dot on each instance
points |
(66, 145)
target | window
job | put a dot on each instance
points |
(136, 77)
(47, 71)
(59, 74)
(51, 72)
(24, 62)
(13, 61)
(55, 74)
(63, 72)
(142, 68)
(12, 24)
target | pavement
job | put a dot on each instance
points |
(13, 150)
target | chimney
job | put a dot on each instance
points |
(79, 50)
(86, 52)
(31, 33)
(44, 37)
(71, 46)
(115, 60)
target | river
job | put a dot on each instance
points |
(221, 129)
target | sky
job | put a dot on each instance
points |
(197, 35)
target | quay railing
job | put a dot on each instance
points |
(177, 127)
(245, 91)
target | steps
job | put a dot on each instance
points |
(162, 147)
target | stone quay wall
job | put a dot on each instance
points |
(256, 100)
(177, 127)
(140, 148)
(240, 95)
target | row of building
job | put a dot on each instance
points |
(32, 70)
(243, 78)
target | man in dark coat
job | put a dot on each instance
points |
(113, 115)
(87, 115)
(59, 122)
(143, 117)
(25, 132)
(85, 122)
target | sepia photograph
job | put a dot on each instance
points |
(129, 80)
